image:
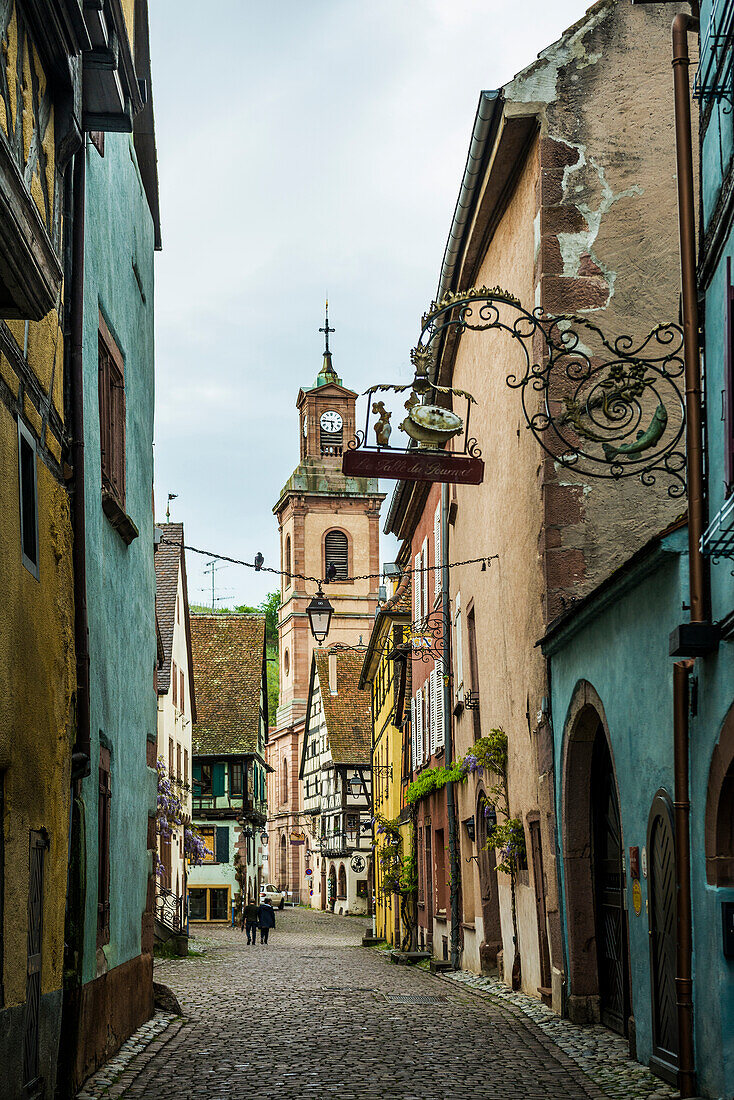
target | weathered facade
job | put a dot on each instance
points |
(325, 519)
(176, 705)
(229, 743)
(40, 82)
(336, 776)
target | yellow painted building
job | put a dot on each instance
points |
(38, 133)
(384, 671)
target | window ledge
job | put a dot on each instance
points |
(118, 517)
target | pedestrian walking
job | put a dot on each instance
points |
(251, 916)
(266, 916)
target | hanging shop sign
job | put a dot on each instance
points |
(429, 425)
(298, 837)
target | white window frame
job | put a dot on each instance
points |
(424, 563)
(419, 728)
(417, 590)
(439, 722)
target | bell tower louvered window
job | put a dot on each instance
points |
(336, 550)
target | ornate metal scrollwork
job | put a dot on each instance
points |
(608, 408)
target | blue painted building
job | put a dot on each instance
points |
(110, 911)
(612, 703)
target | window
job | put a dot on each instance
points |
(286, 662)
(104, 796)
(170, 757)
(208, 836)
(287, 559)
(458, 650)
(336, 553)
(28, 488)
(235, 779)
(209, 903)
(203, 781)
(186, 766)
(417, 590)
(284, 781)
(174, 681)
(181, 694)
(178, 762)
(425, 576)
(437, 552)
(471, 628)
(111, 414)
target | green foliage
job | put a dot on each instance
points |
(433, 779)
(399, 871)
(268, 607)
(273, 676)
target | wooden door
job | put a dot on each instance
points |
(38, 846)
(661, 860)
(609, 895)
(540, 909)
(429, 882)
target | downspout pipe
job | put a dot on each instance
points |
(684, 936)
(80, 760)
(682, 25)
(448, 730)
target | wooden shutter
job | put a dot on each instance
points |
(437, 551)
(458, 650)
(170, 758)
(427, 720)
(417, 589)
(419, 728)
(174, 681)
(413, 738)
(222, 849)
(432, 710)
(218, 779)
(438, 703)
(336, 552)
(181, 694)
(186, 766)
(196, 778)
(425, 576)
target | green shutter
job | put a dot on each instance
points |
(218, 780)
(196, 773)
(222, 849)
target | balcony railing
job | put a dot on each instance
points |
(334, 845)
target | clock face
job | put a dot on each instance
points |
(331, 421)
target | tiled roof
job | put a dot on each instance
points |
(347, 714)
(400, 603)
(168, 557)
(228, 661)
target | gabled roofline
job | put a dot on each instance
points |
(308, 712)
(187, 629)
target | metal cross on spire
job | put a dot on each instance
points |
(326, 330)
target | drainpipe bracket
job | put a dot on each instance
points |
(694, 640)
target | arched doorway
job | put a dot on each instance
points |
(598, 967)
(719, 821)
(283, 864)
(342, 894)
(662, 919)
(487, 862)
(331, 889)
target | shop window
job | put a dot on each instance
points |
(235, 779)
(197, 903)
(218, 903)
(208, 836)
(209, 903)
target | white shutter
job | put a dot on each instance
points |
(439, 722)
(417, 590)
(424, 562)
(459, 651)
(432, 693)
(437, 551)
(419, 728)
(426, 721)
(413, 737)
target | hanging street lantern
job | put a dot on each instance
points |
(319, 616)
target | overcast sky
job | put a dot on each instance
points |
(304, 146)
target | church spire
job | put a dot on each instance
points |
(327, 372)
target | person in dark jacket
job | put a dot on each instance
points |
(251, 915)
(266, 917)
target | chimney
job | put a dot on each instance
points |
(332, 673)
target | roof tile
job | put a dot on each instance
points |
(348, 713)
(228, 655)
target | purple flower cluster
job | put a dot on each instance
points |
(470, 764)
(194, 847)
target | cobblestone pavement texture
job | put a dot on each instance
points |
(311, 1015)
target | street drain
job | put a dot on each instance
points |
(414, 999)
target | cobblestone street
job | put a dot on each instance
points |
(315, 1014)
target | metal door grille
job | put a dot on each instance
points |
(38, 846)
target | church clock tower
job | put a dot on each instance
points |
(325, 519)
(327, 522)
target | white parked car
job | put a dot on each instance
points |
(275, 897)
